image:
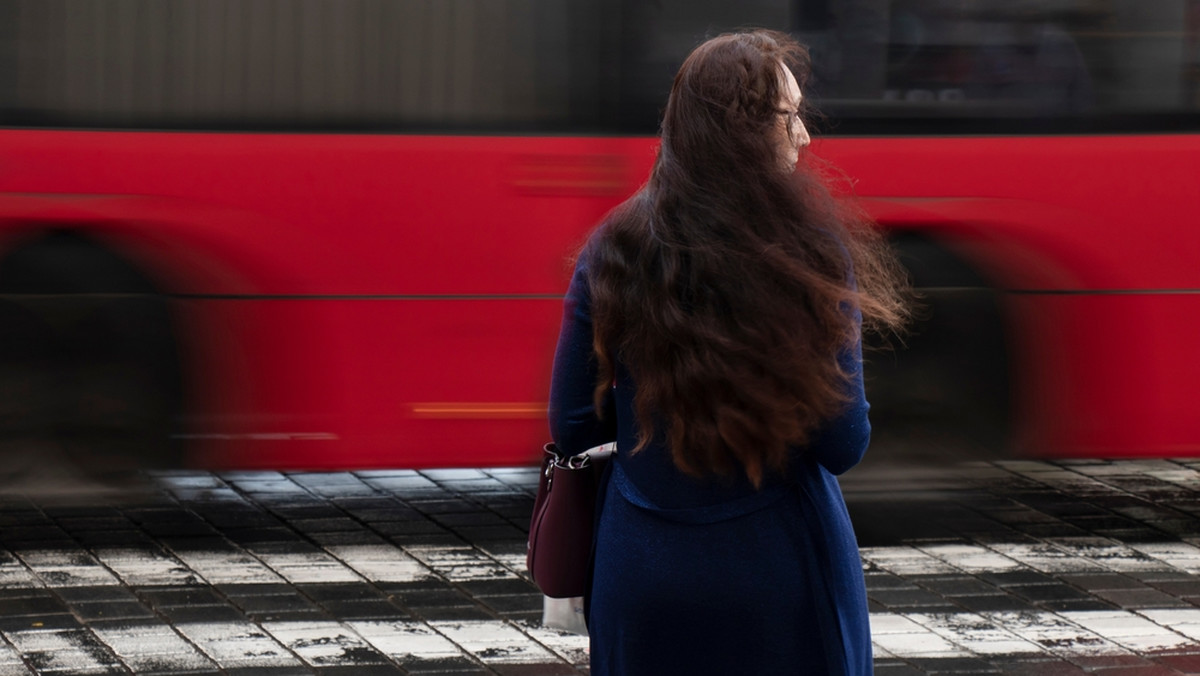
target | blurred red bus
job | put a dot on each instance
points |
(315, 235)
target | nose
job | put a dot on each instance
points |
(803, 136)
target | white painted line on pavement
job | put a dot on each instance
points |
(461, 564)
(1054, 556)
(156, 648)
(318, 644)
(323, 644)
(238, 644)
(16, 576)
(67, 568)
(141, 567)
(382, 563)
(494, 642)
(11, 662)
(407, 641)
(314, 567)
(73, 651)
(966, 558)
(1047, 558)
(1181, 555)
(228, 567)
(1084, 632)
(571, 647)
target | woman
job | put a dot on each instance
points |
(713, 329)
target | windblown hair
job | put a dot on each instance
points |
(728, 287)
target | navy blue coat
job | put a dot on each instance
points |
(711, 576)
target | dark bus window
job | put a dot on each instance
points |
(950, 66)
(1011, 64)
(403, 65)
(589, 66)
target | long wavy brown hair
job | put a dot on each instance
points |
(727, 287)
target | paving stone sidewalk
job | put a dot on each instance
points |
(1015, 567)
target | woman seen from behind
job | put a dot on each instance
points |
(713, 330)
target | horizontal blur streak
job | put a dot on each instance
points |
(480, 410)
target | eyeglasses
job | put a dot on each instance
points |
(795, 127)
(793, 115)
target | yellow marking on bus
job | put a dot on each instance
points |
(482, 409)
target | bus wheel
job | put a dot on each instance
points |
(107, 372)
(942, 392)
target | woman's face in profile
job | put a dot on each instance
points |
(790, 133)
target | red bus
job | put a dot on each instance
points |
(310, 234)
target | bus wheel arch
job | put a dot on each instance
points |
(108, 369)
(945, 388)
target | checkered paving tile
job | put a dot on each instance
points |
(1018, 567)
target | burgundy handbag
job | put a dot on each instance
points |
(560, 531)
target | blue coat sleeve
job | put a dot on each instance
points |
(840, 443)
(574, 425)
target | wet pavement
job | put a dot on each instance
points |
(1014, 567)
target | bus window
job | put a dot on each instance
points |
(363, 65)
(947, 66)
(587, 66)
